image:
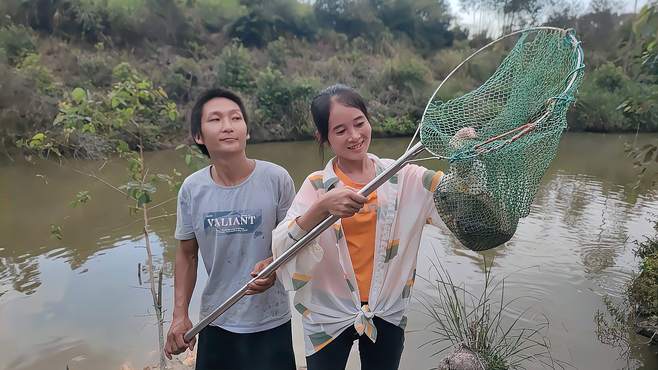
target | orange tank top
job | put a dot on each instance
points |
(359, 233)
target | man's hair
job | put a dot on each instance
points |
(197, 112)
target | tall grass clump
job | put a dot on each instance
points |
(637, 311)
(481, 323)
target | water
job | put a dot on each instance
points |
(79, 301)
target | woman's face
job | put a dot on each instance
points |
(349, 132)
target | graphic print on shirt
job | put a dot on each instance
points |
(246, 221)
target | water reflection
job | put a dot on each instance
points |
(22, 273)
(75, 353)
(77, 295)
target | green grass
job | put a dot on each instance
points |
(479, 321)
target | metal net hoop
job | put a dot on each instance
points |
(518, 114)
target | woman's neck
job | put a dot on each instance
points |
(361, 171)
(232, 170)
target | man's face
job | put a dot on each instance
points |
(223, 128)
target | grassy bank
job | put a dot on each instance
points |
(278, 53)
(644, 288)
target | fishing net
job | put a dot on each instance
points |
(518, 116)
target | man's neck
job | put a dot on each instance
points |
(232, 170)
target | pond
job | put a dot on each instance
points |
(79, 300)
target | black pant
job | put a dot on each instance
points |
(382, 355)
(219, 349)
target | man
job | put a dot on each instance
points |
(227, 212)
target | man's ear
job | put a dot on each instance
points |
(248, 136)
(199, 139)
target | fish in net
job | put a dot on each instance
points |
(517, 117)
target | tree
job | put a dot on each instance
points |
(425, 22)
(128, 119)
(644, 30)
(513, 14)
(268, 20)
(351, 17)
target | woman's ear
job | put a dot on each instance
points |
(316, 135)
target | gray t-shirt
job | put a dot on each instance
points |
(233, 227)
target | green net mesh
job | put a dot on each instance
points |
(518, 115)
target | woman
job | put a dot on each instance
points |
(354, 281)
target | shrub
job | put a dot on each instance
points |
(23, 109)
(407, 74)
(15, 43)
(609, 77)
(401, 126)
(32, 68)
(215, 14)
(181, 78)
(234, 68)
(278, 52)
(89, 18)
(644, 288)
(90, 124)
(126, 20)
(95, 70)
(282, 101)
(603, 98)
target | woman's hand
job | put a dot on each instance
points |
(343, 202)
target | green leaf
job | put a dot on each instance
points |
(59, 119)
(56, 231)
(122, 146)
(149, 187)
(36, 141)
(649, 154)
(88, 127)
(81, 198)
(78, 95)
(143, 198)
(115, 102)
(39, 137)
(146, 187)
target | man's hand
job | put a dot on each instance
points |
(261, 285)
(175, 342)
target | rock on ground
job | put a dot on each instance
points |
(462, 359)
